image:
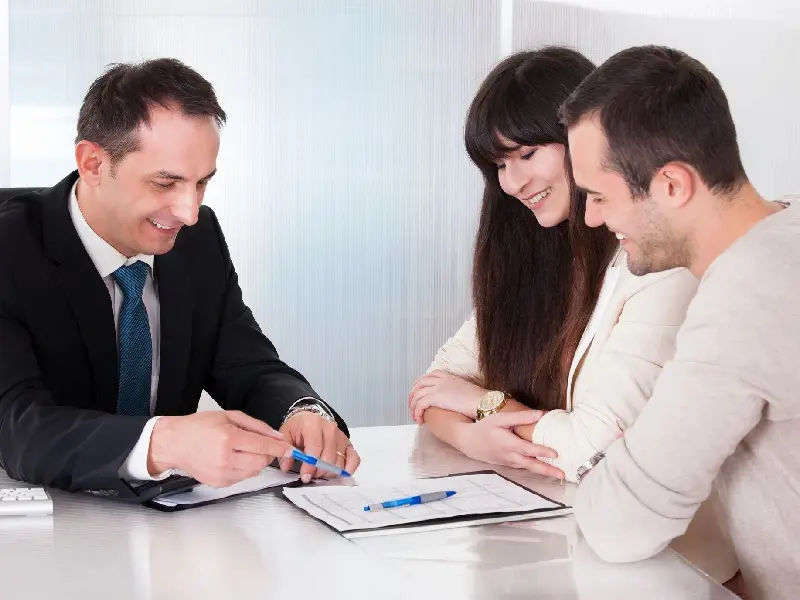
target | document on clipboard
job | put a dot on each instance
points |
(480, 498)
(204, 494)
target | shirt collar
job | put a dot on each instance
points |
(105, 257)
(617, 259)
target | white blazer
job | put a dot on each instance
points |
(629, 338)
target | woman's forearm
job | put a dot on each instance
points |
(444, 424)
(523, 431)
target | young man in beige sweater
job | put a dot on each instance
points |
(653, 143)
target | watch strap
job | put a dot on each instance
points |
(589, 465)
(311, 405)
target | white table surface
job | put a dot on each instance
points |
(263, 547)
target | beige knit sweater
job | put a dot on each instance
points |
(726, 407)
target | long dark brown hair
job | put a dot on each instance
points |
(534, 288)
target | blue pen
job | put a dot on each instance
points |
(319, 463)
(421, 499)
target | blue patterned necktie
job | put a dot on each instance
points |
(135, 344)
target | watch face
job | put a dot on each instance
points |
(491, 401)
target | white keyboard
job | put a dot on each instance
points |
(21, 501)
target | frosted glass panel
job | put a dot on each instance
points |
(344, 190)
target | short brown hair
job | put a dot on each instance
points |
(119, 101)
(657, 105)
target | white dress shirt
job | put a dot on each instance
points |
(106, 260)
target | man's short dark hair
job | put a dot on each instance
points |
(658, 105)
(119, 101)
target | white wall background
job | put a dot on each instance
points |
(346, 196)
(4, 95)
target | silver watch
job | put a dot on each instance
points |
(310, 405)
(589, 465)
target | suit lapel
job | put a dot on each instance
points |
(175, 300)
(85, 290)
(606, 293)
(91, 306)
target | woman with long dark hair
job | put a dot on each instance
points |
(560, 325)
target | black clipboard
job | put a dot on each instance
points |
(278, 489)
(143, 492)
(150, 501)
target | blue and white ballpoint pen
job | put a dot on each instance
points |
(421, 499)
(318, 462)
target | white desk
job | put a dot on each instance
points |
(262, 547)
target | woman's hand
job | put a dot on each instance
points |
(444, 390)
(493, 440)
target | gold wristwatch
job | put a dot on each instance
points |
(490, 403)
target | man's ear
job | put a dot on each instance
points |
(674, 185)
(90, 158)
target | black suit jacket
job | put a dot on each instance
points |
(58, 350)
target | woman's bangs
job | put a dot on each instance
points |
(502, 117)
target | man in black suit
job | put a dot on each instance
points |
(119, 305)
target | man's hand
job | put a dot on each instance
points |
(320, 438)
(218, 448)
(492, 440)
(442, 389)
